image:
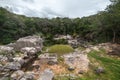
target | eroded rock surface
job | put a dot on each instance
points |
(29, 41)
(77, 61)
(47, 75)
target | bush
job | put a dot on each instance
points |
(61, 41)
(60, 49)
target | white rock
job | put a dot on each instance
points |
(47, 75)
(77, 60)
(17, 75)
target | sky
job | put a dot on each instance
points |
(55, 8)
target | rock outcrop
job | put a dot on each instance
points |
(77, 61)
(29, 41)
(12, 62)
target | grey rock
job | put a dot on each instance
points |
(6, 49)
(28, 76)
(47, 75)
(29, 51)
(81, 72)
(77, 60)
(13, 66)
(19, 60)
(99, 70)
(17, 75)
(29, 41)
(71, 68)
(49, 59)
(3, 58)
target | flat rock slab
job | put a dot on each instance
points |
(78, 61)
(47, 75)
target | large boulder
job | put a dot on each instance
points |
(29, 41)
(47, 75)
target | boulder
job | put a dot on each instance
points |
(99, 70)
(28, 76)
(13, 66)
(3, 58)
(29, 41)
(29, 51)
(71, 68)
(19, 60)
(17, 75)
(47, 75)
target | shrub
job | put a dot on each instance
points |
(60, 49)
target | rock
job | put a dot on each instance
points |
(28, 76)
(17, 75)
(49, 59)
(29, 51)
(1, 68)
(52, 62)
(47, 75)
(99, 70)
(6, 49)
(13, 66)
(80, 72)
(77, 60)
(29, 41)
(19, 60)
(3, 58)
(71, 68)
(74, 43)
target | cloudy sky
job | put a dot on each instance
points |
(54, 8)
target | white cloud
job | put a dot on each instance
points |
(53, 8)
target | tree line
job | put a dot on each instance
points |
(101, 27)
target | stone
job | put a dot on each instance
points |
(13, 66)
(28, 76)
(77, 60)
(3, 58)
(81, 72)
(19, 60)
(49, 59)
(6, 49)
(74, 43)
(71, 68)
(29, 41)
(99, 70)
(47, 75)
(1, 68)
(29, 51)
(17, 75)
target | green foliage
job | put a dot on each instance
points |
(61, 41)
(60, 49)
(101, 27)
